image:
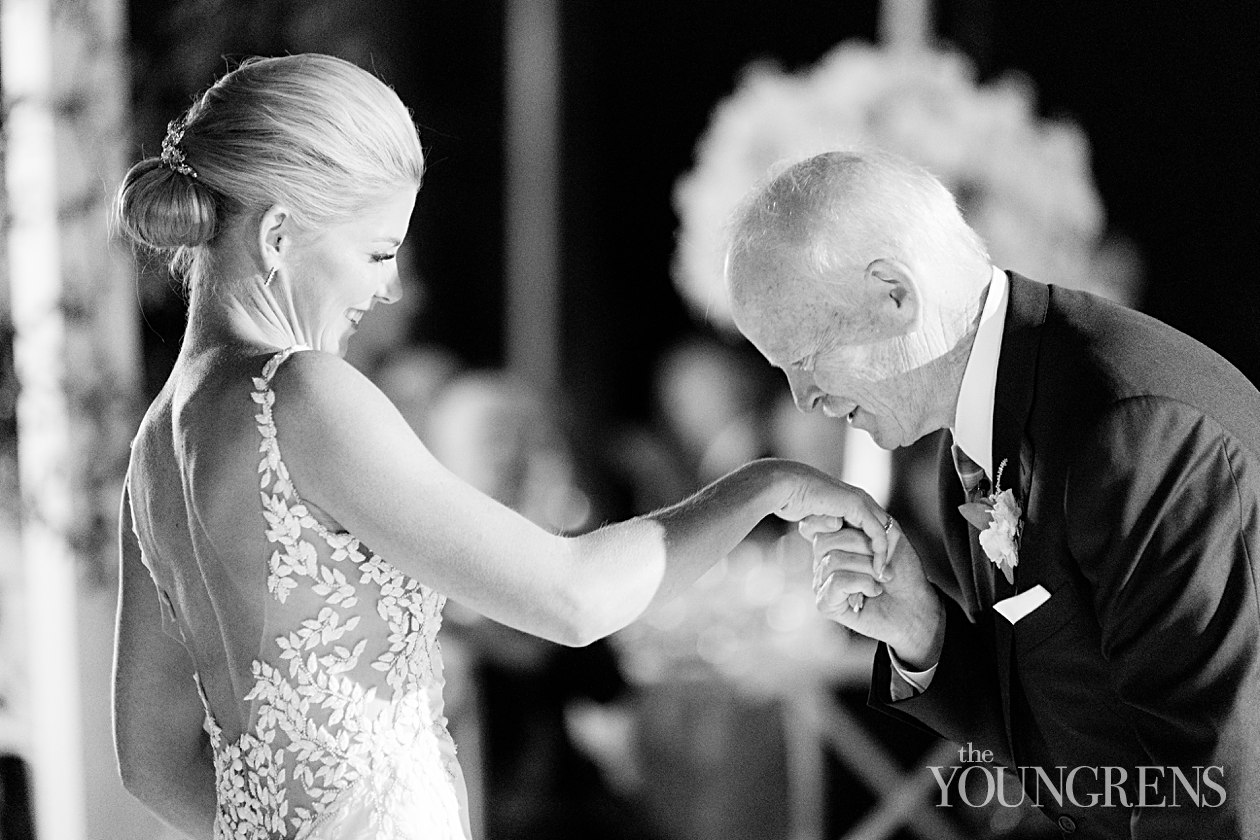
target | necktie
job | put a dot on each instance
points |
(976, 486)
(974, 481)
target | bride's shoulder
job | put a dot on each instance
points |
(335, 426)
(319, 399)
(152, 445)
(316, 380)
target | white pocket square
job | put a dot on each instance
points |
(1018, 606)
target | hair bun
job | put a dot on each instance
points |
(164, 209)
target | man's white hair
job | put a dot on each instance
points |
(841, 210)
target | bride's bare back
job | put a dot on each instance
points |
(190, 467)
(317, 659)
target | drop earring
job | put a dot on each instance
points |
(271, 275)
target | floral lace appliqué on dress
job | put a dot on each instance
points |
(346, 738)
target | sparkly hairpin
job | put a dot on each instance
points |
(172, 154)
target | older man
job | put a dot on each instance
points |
(1097, 626)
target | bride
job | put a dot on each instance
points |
(287, 542)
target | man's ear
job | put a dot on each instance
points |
(892, 292)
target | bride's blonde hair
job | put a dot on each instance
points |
(315, 133)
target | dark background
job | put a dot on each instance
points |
(1167, 93)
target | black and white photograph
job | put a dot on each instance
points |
(681, 420)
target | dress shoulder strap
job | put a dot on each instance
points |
(274, 474)
(273, 364)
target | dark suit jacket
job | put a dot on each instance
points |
(1134, 452)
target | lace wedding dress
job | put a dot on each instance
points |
(345, 736)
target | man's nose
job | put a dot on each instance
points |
(805, 392)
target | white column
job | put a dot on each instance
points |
(532, 235)
(44, 434)
(72, 298)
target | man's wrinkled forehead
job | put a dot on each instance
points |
(784, 313)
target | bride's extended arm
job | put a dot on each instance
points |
(163, 753)
(352, 454)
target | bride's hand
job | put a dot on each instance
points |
(822, 503)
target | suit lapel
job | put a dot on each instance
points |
(1012, 402)
(1013, 394)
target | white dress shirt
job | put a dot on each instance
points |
(973, 428)
(973, 419)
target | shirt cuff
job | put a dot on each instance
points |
(907, 683)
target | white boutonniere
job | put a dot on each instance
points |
(999, 520)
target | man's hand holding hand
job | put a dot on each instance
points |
(900, 607)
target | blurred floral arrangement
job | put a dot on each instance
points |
(1023, 182)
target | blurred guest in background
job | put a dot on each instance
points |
(710, 398)
(709, 401)
(412, 375)
(498, 434)
(287, 541)
(502, 437)
(1098, 609)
